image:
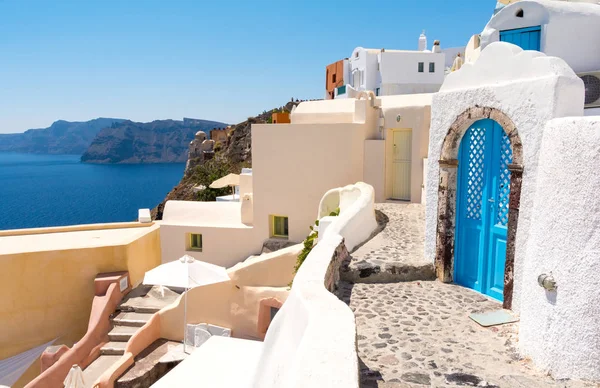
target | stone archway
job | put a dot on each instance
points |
(448, 163)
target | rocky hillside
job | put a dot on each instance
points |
(62, 137)
(161, 141)
(237, 154)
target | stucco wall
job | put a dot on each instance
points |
(48, 294)
(401, 67)
(219, 223)
(221, 245)
(530, 88)
(302, 161)
(374, 167)
(560, 330)
(569, 30)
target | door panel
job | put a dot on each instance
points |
(483, 189)
(526, 38)
(402, 153)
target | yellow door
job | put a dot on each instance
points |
(401, 164)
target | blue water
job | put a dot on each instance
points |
(57, 190)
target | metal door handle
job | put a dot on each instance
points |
(491, 200)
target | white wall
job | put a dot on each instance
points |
(531, 89)
(560, 330)
(401, 68)
(366, 61)
(569, 30)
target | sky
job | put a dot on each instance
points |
(222, 60)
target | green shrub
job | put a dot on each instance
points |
(310, 242)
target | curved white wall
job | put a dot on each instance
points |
(312, 340)
(356, 220)
(560, 330)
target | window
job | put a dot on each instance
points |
(519, 13)
(432, 67)
(421, 66)
(280, 226)
(195, 242)
(377, 92)
(333, 78)
(274, 311)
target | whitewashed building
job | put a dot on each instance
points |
(569, 30)
(392, 72)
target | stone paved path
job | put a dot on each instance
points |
(395, 253)
(415, 334)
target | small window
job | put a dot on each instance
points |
(280, 226)
(432, 67)
(195, 242)
(421, 67)
(356, 55)
(519, 13)
(377, 92)
(274, 311)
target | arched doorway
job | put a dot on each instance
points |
(449, 165)
(483, 188)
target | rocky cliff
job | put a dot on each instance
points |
(62, 137)
(234, 155)
(160, 141)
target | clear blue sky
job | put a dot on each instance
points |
(220, 60)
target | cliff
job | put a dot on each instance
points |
(207, 162)
(62, 137)
(160, 141)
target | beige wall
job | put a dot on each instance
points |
(48, 294)
(374, 167)
(295, 164)
(417, 119)
(224, 246)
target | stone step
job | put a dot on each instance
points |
(113, 349)
(131, 319)
(148, 299)
(122, 333)
(97, 367)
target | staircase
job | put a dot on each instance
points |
(132, 313)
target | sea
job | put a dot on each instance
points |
(57, 190)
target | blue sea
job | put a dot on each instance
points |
(57, 190)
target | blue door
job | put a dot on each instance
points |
(526, 38)
(482, 208)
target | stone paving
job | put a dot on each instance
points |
(395, 252)
(414, 334)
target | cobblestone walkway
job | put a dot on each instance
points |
(395, 253)
(414, 334)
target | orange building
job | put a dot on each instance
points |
(280, 118)
(334, 77)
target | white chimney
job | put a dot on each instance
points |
(422, 41)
